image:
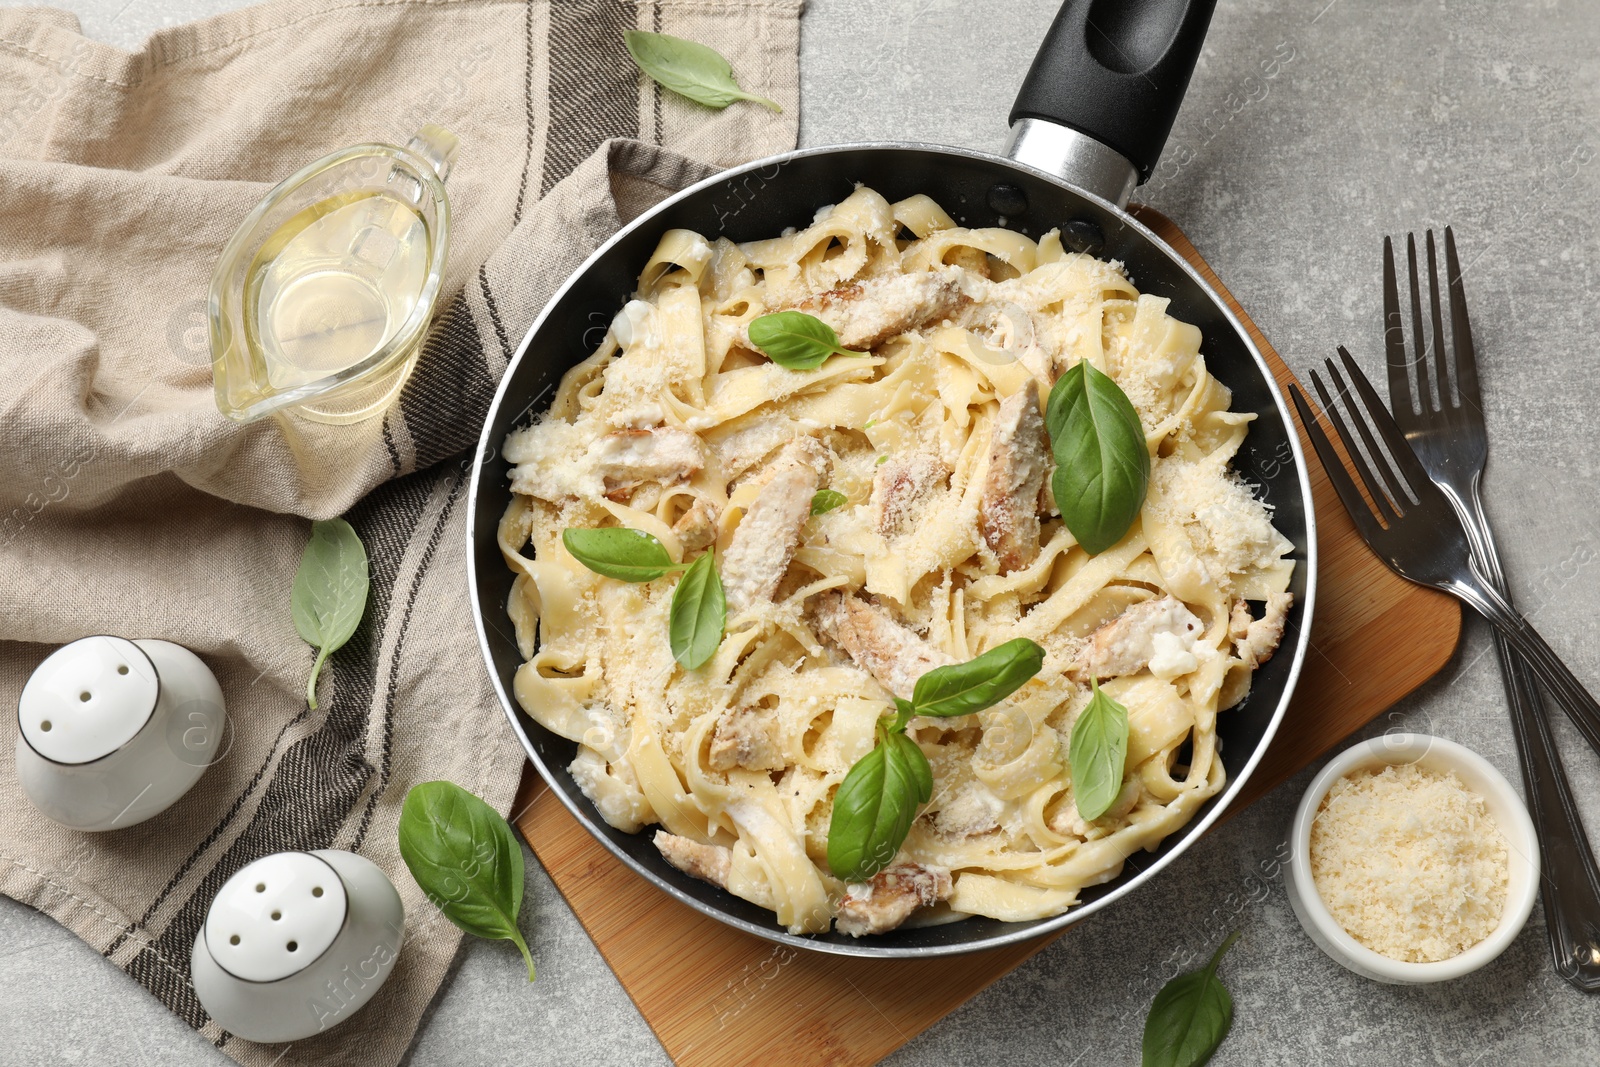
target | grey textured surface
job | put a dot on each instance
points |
(1391, 115)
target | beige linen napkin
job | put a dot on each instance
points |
(129, 506)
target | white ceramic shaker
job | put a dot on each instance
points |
(113, 731)
(296, 943)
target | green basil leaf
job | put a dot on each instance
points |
(329, 593)
(916, 770)
(1102, 463)
(825, 500)
(1097, 751)
(699, 613)
(1189, 1017)
(875, 804)
(796, 340)
(620, 553)
(467, 860)
(689, 69)
(962, 688)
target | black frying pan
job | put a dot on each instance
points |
(1088, 125)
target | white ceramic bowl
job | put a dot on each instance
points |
(1505, 806)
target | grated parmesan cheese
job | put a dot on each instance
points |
(1219, 512)
(1409, 862)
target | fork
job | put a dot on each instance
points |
(1451, 441)
(1416, 530)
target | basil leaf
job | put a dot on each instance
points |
(620, 553)
(1097, 751)
(796, 340)
(329, 593)
(699, 613)
(1102, 462)
(465, 857)
(1189, 1017)
(689, 69)
(962, 688)
(875, 804)
(825, 500)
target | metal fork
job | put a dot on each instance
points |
(1416, 530)
(1451, 441)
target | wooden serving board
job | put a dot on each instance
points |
(1375, 638)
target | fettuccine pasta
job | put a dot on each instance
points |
(947, 545)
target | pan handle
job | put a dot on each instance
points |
(1102, 94)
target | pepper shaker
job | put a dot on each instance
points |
(113, 731)
(295, 943)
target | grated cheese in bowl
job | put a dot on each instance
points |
(1410, 862)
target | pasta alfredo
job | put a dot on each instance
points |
(948, 545)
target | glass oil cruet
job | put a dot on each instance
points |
(320, 301)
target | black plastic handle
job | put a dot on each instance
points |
(1117, 70)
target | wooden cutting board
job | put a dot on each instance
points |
(1374, 639)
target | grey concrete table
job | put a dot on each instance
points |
(1387, 116)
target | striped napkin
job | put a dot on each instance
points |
(129, 506)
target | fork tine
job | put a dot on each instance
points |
(1396, 492)
(1441, 367)
(1386, 509)
(1466, 359)
(1354, 503)
(1394, 336)
(1424, 396)
(1411, 468)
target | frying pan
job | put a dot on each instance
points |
(1087, 127)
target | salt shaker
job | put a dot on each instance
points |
(296, 943)
(113, 731)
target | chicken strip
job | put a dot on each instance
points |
(892, 654)
(903, 488)
(767, 535)
(630, 458)
(697, 527)
(709, 863)
(745, 738)
(1019, 460)
(890, 897)
(739, 450)
(867, 313)
(802, 448)
(1255, 640)
(971, 812)
(1153, 633)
